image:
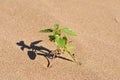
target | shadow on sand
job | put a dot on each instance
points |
(34, 50)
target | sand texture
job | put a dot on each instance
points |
(97, 23)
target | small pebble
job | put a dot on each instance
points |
(117, 20)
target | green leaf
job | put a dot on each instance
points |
(70, 48)
(66, 40)
(56, 26)
(46, 30)
(68, 31)
(52, 38)
(55, 32)
(60, 42)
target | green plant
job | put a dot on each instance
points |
(59, 37)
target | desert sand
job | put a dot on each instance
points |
(97, 23)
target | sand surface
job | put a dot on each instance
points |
(97, 23)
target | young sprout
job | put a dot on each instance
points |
(58, 36)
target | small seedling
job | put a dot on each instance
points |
(58, 35)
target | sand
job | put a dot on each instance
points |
(97, 23)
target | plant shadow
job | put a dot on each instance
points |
(34, 50)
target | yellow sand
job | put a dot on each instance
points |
(97, 23)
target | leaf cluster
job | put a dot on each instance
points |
(58, 36)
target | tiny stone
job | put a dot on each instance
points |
(79, 63)
(117, 20)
